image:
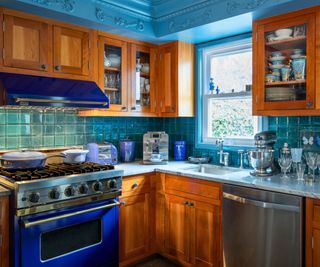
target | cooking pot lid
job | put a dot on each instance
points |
(23, 155)
(75, 151)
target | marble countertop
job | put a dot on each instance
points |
(4, 191)
(242, 178)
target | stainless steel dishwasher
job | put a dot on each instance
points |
(261, 228)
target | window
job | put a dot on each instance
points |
(226, 97)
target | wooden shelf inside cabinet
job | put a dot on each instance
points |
(286, 83)
(142, 74)
(297, 42)
(112, 69)
(111, 89)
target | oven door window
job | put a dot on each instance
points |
(65, 240)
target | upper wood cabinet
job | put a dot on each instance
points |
(27, 44)
(142, 73)
(113, 72)
(285, 50)
(176, 79)
(70, 51)
(39, 46)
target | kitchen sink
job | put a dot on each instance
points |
(213, 169)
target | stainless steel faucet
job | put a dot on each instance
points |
(241, 154)
(224, 156)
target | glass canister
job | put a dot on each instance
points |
(179, 150)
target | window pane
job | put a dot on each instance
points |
(230, 118)
(232, 72)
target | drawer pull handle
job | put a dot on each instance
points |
(44, 66)
(58, 67)
(135, 185)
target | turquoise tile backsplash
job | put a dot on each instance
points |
(36, 129)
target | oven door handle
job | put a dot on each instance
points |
(28, 224)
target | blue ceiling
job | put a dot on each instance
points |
(162, 20)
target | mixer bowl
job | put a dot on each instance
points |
(261, 160)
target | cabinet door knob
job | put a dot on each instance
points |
(44, 66)
(123, 108)
(122, 203)
(133, 108)
(135, 185)
(185, 203)
(58, 67)
(309, 104)
(191, 204)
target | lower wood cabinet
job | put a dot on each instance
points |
(4, 231)
(312, 233)
(175, 216)
(134, 226)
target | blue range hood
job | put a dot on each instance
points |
(34, 91)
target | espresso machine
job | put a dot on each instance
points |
(262, 158)
(155, 148)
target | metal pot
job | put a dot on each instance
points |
(261, 160)
(21, 160)
(74, 155)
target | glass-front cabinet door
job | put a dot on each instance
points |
(142, 82)
(113, 72)
(285, 63)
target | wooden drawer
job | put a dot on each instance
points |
(192, 186)
(137, 184)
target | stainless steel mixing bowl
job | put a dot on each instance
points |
(261, 160)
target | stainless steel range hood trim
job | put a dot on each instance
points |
(19, 99)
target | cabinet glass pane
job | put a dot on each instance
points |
(142, 79)
(285, 64)
(112, 73)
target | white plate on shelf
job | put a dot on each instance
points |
(278, 66)
(281, 38)
(297, 56)
(279, 58)
(156, 160)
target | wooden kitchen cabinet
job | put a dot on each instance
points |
(193, 221)
(70, 51)
(176, 80)
(39, 46)
(4, 231)
(137, 222)
(284, 65)
(27, 43)
(312, 233)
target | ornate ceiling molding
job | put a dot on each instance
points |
(235, 6)
(122, 10)
(189, 9)
(120, 21)
(66, 5)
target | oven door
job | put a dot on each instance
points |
(85, 236)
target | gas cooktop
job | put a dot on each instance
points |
(61, 185)
(54, 170)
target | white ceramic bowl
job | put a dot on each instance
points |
(284, 32)
(75, 155)
(115, 60)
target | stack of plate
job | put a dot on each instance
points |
(280, 94)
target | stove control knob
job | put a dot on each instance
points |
(34, 197)
(112, 184)
(69, 191)
(83, 189)
(97, 186)
(54, 194)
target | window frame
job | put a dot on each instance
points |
(204, 52)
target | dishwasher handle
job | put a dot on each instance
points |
(261, 204)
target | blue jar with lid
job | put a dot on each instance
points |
(179, 150)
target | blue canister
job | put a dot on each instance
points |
(179, 150)
(127, 150)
